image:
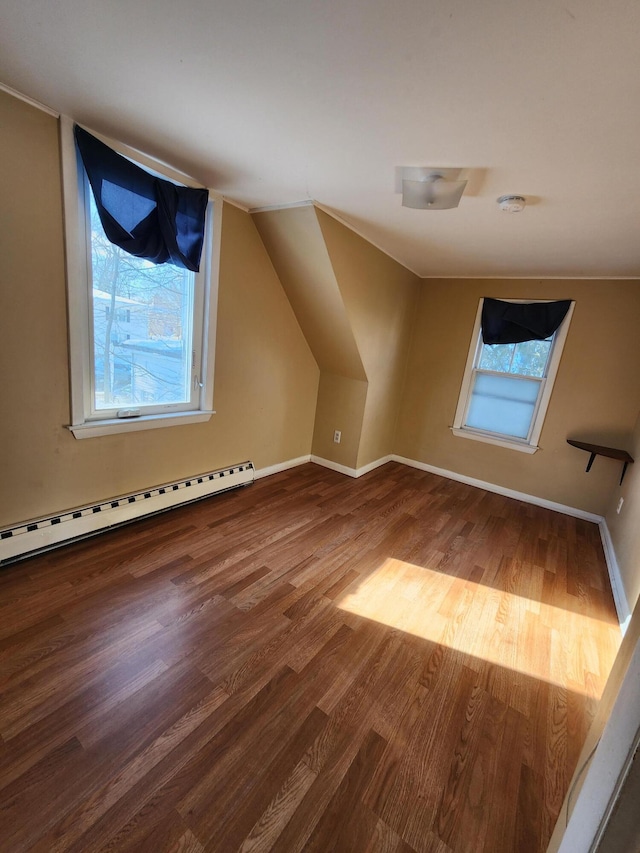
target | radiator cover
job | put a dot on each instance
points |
(40, 534)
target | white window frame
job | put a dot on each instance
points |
(85, 422)
(530, 444)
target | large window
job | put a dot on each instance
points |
(506, 388)
(141, 334)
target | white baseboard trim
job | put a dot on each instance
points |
(281, 466)
(461, 478)
(617, 586)
(501, 490)
(371, 466)
(351, 472)
(334, 466)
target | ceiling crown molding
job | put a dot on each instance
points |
(31, 101)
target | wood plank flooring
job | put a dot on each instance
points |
(313, 663)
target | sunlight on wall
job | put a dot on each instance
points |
(559, 646)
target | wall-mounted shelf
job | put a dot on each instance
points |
(600, 450)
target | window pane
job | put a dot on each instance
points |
(496, 357)
(526, 359)
(530, 358)
(502, 404)
(142, 327)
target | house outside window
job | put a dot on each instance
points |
(506, 388)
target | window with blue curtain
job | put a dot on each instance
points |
(143, 253)
(511, 365)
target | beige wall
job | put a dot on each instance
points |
(266, 377)
(354, 304)
(379, 295)
(596, 395)
(341, 405)
(625, 526)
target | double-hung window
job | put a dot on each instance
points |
(507, 386)
(141, 332)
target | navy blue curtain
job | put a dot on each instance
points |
(146, 216)
(515, 322)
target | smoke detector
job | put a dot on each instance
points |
(512, 203)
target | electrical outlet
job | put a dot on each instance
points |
(619, 507)
(337, 436)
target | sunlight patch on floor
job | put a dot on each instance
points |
(545, 642)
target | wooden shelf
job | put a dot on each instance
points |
(601, 450)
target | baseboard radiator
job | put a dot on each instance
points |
(44, 533)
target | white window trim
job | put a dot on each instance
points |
(529, 445)
(78, 297)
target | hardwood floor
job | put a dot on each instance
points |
(396, 663)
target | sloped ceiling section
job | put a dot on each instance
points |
(354, 305)
(294, 240)
(380, 296)
(295, 243)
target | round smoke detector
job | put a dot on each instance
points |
(512, 203)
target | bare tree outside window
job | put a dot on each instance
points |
(142, 327)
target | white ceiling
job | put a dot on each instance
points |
(275, 101)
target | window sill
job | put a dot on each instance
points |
(93, 429)
(490, 439)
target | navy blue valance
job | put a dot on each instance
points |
(146, 216)
(515, 322)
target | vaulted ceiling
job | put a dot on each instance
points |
(272, 102)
